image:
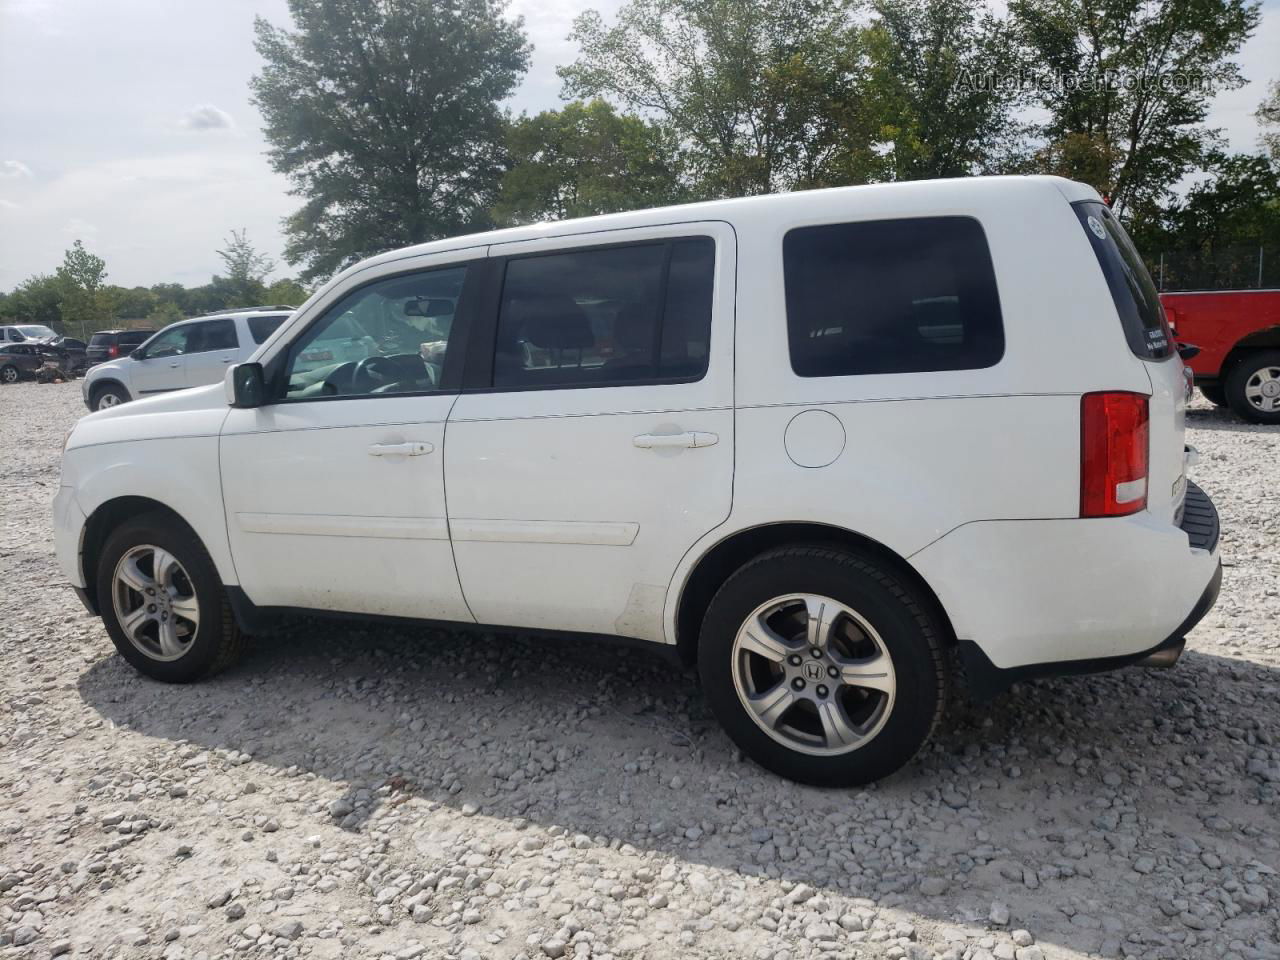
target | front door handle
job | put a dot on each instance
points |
(655, 441)
(414, 448)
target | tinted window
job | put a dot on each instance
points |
(1132, 290)
(133, 337)
(614, 315)
(212, 335)
(391, 336)
(101, 339)
(262, 327)
(891, 296)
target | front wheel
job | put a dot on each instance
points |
(9, 373)
(822, 665)
(162, 601)
(1253, 387)
(104, 398)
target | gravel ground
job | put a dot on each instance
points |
(352, 791)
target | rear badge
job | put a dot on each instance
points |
(1098, 229)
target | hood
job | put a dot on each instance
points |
(196, 412)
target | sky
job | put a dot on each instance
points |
(127, 124)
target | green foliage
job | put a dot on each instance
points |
(384, 115)
(244, 262)
(1268, 115)
(929, 90)
(286, 291)
(586, 159)
(761, 95)
(1133, 141)
(85, 302)
(164, 313)
(131, 303)
(1239, 203)
(37, 299)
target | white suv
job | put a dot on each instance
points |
(827, 445)
(190, 353)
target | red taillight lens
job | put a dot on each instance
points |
(1113, 454)
(113, 351)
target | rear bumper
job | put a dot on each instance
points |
(1043, 597)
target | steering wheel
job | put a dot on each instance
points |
(376, 372)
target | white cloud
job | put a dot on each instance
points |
(12, 169)
(8, 204)
(207, 117)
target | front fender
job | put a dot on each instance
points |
(180, 473)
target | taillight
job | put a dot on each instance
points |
(113, 351)
(1113, 454)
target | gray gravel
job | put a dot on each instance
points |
(353, 791)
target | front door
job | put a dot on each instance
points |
(597, 445)
(163, 366)
(334, 493)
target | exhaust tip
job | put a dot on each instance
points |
(1166, 657)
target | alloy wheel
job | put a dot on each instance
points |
(1262, 389)
(9, 375)
(155, 602)
(813, 674)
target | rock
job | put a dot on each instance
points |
(999, 914)
(1022, 938)
(235, 911)
(289, 929)
(554, 947)
(933, 886)
(25, 935)
(340, 808)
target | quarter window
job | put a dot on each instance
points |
(891, 296)
(391, 336)
(262, 327)
(615, 315)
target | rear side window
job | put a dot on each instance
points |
(213, 335)
(262, 327)
(133, 338)
(1132, 289)
(891, 296)
(639, 313)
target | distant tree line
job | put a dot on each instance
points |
(77, 299)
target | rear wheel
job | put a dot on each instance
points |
(108, 396)
(822, 665)
(8, 373)
(1253, 386)
(1215, 393)
(163, 603)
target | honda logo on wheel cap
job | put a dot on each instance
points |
(813, 670)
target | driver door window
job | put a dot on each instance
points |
(170, 343)
(389, 337)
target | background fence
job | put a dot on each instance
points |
(1244, 267)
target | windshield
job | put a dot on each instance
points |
(35, 331)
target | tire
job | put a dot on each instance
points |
(107, 396)
(1215, 393)
(9, 374)
(1253, 386)
(878, 619)
(197, 647)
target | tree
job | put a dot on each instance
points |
(164, 313)
(586, 159)
(37, 299)
(1129, 84)
(85, 303)
(132, 303)
(244, 263)
(932, 91)
(384, 115)
(286, 291)
(760, 94)
(1268, 115)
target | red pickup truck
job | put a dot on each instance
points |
(1238, 333)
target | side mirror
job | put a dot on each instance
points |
(246, 386)
(1188, 350)
(137, 354)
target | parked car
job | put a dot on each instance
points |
(68, 353)
(17, 333)
(189, 353)
(112, 344)
(18, 360)
(1238, 333)
(816, 443)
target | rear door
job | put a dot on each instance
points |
(1147, 331)
(594, 444)
(213, 347)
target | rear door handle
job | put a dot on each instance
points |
(653, 441)
(414, 448)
